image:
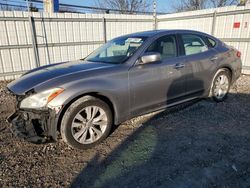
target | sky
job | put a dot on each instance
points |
(162, 5)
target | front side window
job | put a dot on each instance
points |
(193, 44)
(117, 50)
(165, 45)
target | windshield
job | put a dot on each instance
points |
(117, 50)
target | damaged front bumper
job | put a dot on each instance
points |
(36, 126)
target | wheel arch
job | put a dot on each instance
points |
(97, 95)
(225, 67)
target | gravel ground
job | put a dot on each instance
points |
(199, 144)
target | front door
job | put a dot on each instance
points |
(152, 85)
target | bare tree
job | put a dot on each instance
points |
(11, 8)
(187, 5)
(125, 6)
(222, 3)
(4, 5)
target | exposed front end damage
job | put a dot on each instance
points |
(36, 126)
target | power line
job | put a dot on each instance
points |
(98, 8)
(18, 3)
(39, 3)
(16, 6)
(20, 6)
(13, 1)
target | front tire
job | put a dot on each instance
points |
(220, 85)
(86, 122)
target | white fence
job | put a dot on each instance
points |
(230, 24)
(40, 39)
(58, 37)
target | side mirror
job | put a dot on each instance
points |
(150, 57)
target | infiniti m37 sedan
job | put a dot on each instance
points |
(79, 101)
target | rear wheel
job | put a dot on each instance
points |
(220, 85)
(86, 122)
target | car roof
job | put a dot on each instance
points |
(166, 31)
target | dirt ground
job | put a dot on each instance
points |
(199, 144)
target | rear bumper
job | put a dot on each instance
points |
(37, 126)
(237, 69)
(236, 72)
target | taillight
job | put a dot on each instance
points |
(238, 54)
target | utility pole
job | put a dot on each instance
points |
(28, 5)
(51, 6)
(154, 15)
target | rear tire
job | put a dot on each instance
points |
(86, 123)
(220, 85)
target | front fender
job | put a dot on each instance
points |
(116, 93)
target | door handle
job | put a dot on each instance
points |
(214, 58)
(179, 65)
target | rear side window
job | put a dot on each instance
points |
(193, 44)
(165, 45)
(211, 42)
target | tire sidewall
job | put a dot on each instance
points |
(70, 114)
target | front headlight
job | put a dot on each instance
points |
(40, 100)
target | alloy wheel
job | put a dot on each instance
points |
(221, 86)
(89, 125)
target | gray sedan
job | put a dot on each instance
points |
(126, 77)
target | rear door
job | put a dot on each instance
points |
(200, 61)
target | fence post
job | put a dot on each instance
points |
(45, 40)
(104, 30)
(34, 41)
(214, 22)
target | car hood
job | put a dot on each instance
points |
(44, 74)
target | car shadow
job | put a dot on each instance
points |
(197, 144)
